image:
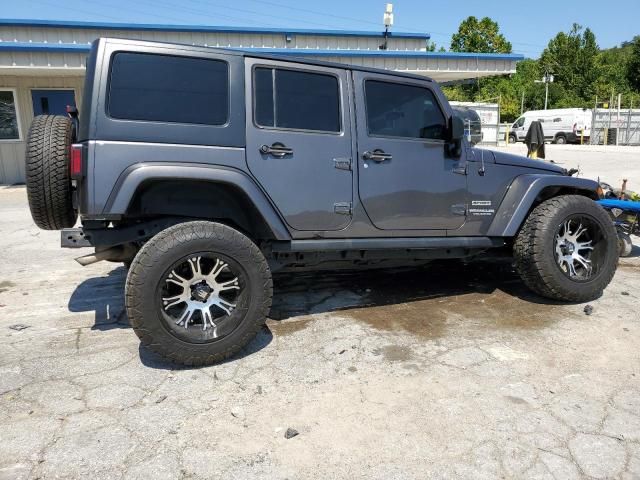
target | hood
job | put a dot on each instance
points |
(504, 158)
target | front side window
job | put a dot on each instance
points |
(163, 88)
(296, 100)
(520, 122)
(8, 117)
(407, 111)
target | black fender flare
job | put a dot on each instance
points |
(134, 176)
(523, 193)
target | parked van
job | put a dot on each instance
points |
(562, 125)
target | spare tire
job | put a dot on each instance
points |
(47, 171)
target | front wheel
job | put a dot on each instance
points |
(198, 292)
(513, 139)
(561, 140)
(567, 249)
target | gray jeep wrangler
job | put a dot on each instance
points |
(205, 170)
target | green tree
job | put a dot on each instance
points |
(481, 36)
(613, 68)
(572, 59)
(582, 71)
(633, 66)
(456, 93)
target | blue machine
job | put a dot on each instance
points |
(626, 216)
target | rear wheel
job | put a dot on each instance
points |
(625, 244)
(198, 292)
(561, 140)
(567, 249)
(47, 172)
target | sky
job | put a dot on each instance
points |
(529, 29)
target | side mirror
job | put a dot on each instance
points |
(455, 135)
(456, 129)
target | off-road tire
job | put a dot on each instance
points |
(625, 244)
(47, 172)
(163, 250)
(534, 252)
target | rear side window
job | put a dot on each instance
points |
(162, 88)
(407, 111)
(296, 100)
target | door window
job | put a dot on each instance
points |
(296, 100)
(163, 88)
(407, 111)
(520, 122)
(52, 102)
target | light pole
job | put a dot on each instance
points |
(387, 19)
(546, 79)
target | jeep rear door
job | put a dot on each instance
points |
(299, 141)
(406, 179)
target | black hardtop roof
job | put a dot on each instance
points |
(254, 54)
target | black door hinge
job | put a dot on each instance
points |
(342, 208)
(342, 163)
(461, 169)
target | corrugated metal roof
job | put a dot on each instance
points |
(79, 48)
(202, 28)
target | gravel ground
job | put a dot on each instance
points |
(454, 371)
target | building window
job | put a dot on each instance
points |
(302, 100)
(9, 128)
(406, 111)
(163, 88)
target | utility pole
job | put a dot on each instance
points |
(522, 103)
(547, 79)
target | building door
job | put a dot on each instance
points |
(299, 141)
(406, 179)
(52, 102)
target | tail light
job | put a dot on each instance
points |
(75, 164)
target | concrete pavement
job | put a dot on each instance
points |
(451, 371)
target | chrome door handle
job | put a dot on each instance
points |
(277, 150)
(377, 155)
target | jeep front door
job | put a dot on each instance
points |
(406, 179)
(299, 141)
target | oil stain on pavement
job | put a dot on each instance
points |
(421, 301)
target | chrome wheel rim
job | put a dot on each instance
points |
(577, 248)
(201, 297)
